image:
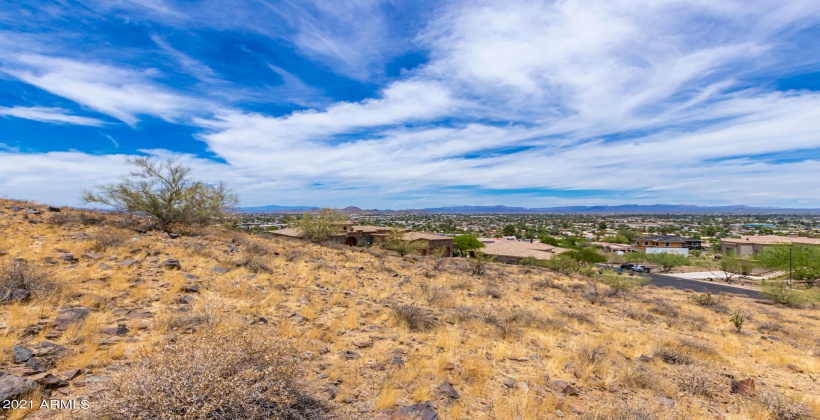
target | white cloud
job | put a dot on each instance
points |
(120, 93)
(50, 115)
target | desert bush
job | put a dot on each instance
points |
(781, 407)
(104, 239)
(591, 355)
(254, 256)
(415, 318)
(620, 283)
(224, 374)
(436, 295)
(628, 410)
(640, 376)
(60, 219)
(700, 348)
(700, 380)
(779, 292)
(544, 284)
(706, 299)
(578, 316)
(491, 290)
(19, 281)
(479, 262)
(166, 192)
(663, 308)
(673, 355)
(639, 315)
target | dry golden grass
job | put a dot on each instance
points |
(474, 332)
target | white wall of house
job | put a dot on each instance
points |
(681, 251)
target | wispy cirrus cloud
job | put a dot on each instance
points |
(49, 115)
(121, 93)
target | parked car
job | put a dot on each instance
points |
(640, 269)
(627, 266)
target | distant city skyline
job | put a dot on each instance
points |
(407, 105)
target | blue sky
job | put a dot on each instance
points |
(408, 104)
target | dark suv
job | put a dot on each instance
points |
(627, 266)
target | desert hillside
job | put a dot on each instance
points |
(117, 321)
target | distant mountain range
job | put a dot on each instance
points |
(620, 209)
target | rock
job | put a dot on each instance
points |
(104, 266)
(170, 264)
(220, 270)
(174, 235)
(22, 354)
(14, 387)
(68, 257)
(128, 263)
(363, 343)
(54, 209)
(349, 355)
(49, 381)
(91, 255)
(332, 391)
(665, 401)
(71, 374)
(32, 211)
(559, 413)
(447, 391)
(47, 348)
(509, 382)
(565, 388)
(139, 315)
(645, 358)
(17, 295)
(69, 316)
(396, 360)
(419, 411)
(523, 386)
(744, 387)
(191, 288)
(35, 365)
(794, 368)
(120, 329)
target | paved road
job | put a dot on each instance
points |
(661, 280)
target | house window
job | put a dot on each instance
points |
(646, 243)
(667, 244)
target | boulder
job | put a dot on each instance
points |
(35, 365)
(121, 329)
(170, 264)
(22, 354)
(68, 316)
(190, 288)
(363, 343)
(128, 263)
(14, 387)
(54, 209)
(565, 388)
(447, 391)
(419, 411)
(47, 348)
(48, 380)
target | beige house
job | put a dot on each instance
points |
(753, 245)
(512, 252)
